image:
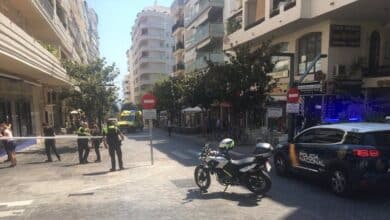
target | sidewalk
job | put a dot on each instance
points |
(27, 145)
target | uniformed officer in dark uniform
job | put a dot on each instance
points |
(113, 137)
(82, 143)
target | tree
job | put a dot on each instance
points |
(94, 91)
(243, 81)
(169, 94)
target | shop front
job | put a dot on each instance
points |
(20, 103)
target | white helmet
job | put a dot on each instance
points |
(226, 144)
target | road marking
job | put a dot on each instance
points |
(11, 213)
(181, 155)
(17, 203)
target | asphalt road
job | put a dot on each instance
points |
(66, 190)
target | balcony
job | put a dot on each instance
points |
(178, 67)
(234, 23)
(26, 57)
(56, 23)
(201, 63)
(203, 6)
(204, 32)
(179, 24)
(179, 46)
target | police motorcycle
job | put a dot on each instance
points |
(250, 172)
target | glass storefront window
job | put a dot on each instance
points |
(309, 47)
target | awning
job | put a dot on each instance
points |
(192, 110)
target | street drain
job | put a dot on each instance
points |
(81, 194)
(184, 183)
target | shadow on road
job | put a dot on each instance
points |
(243, 199)
(96, 173)
(312, 199)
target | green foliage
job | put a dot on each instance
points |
(234, 24)
(242, 81)
(94, 90)
(169, 94)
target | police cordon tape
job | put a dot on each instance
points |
(51, 137)
(63, 137)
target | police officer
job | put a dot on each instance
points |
(113, 137)
(50, 144)
(82, 143)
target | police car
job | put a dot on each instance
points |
(348, 155)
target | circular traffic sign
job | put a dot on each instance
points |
(148, 101)
(293, 95)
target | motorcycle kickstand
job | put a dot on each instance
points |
(226, 187)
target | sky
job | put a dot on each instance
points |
(116, 18)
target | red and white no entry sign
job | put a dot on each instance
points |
(148, 101)
(293, 95)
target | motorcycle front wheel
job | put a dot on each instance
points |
(259, 183)
(202, 178)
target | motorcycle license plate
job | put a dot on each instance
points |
(268, 166)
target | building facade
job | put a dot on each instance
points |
(177, 11)
(150, 57)
(34, 37)
(350, 81)
(204, 32)
(127, 90)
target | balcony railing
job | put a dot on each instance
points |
(179, 24)
(179, 66)
(234, 23)
(48, 7)
(18, 45)
(179, 46)
(203, 6)
(203, 32)
(290, 4)
(47, 10)
(201, 63)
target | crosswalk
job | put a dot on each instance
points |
(13, 209)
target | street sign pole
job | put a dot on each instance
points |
(149, 113)
(151, 141)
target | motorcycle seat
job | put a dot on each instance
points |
(243, 161)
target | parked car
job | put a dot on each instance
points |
(349, 155)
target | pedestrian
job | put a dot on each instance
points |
(113, 137)
(169, 126)
(9, 143)
(50, 144)
(82, 143)
(96, 141)
(4, 147)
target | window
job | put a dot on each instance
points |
(321, 136)
(328, 136)
(353, 138)
(307, 137)
(309, 46)
(381, 139)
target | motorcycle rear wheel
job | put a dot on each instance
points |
(259, 183)
(202, 178)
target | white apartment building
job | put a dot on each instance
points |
(126, 89)
(354, 35)
(34, 36)
(177, 11)
(204, 32)
(150, 56)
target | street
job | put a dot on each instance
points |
(67, 190)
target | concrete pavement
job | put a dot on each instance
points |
(66, 190)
